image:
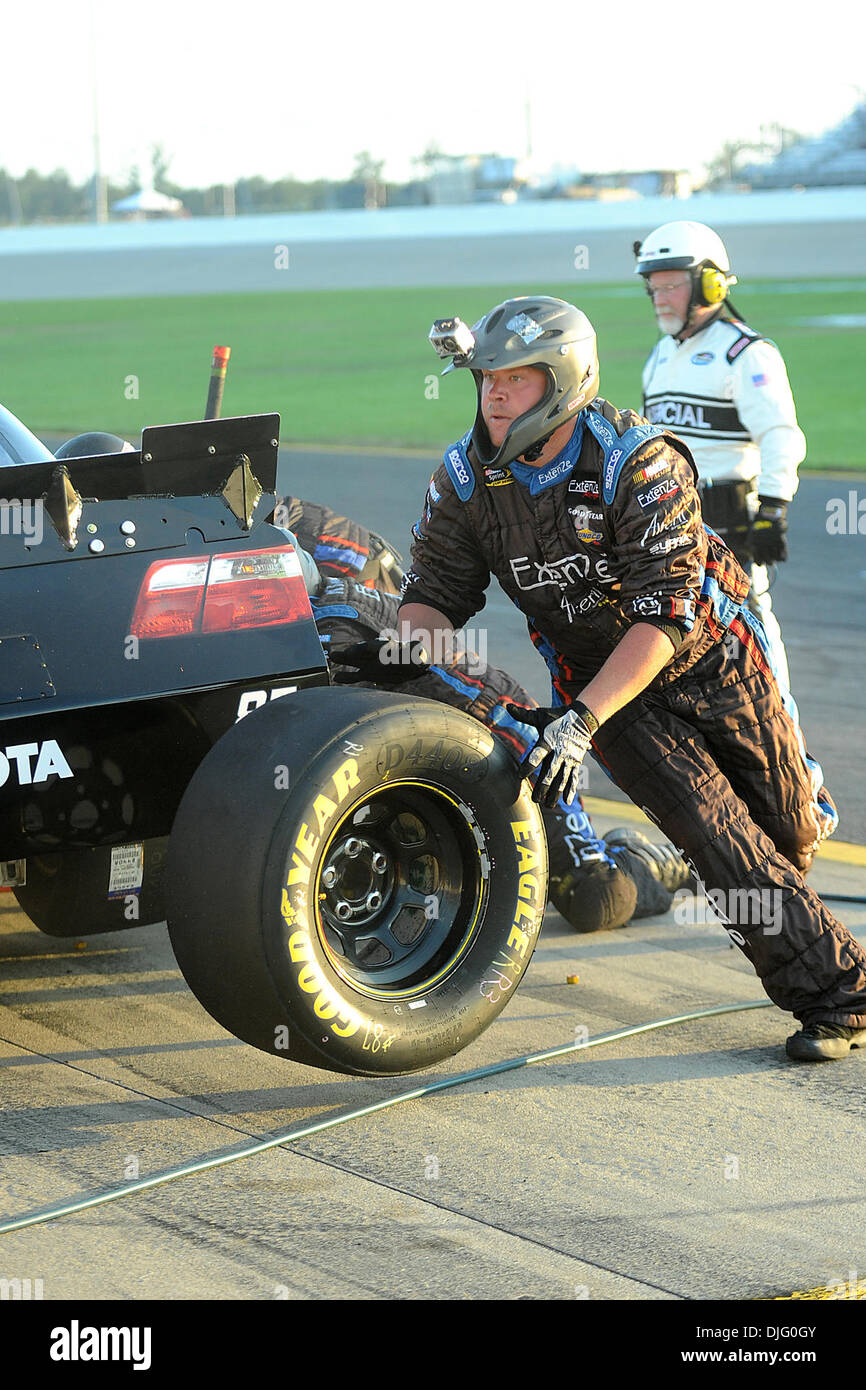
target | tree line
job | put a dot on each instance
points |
(54, 197)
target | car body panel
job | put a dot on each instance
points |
(102, 729)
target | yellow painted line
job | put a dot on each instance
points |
(841, 851)
(841, 1288)
(89, 954)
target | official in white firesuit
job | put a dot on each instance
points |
(723, 388)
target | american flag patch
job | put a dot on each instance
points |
(760, 379)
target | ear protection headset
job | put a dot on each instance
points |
(712, 285)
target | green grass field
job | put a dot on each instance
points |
(355, 366)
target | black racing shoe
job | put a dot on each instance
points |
(658, 870)
(824, 1042)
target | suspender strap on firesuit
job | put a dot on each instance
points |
(617, 448)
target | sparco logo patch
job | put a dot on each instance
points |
(455, 458)
(666, 488)
(49, 760)
(611, 467)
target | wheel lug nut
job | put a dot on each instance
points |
(343, 911)
(353, 848)
(374, 901)
(380, 863)
(329, 877)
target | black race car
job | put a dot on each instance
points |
(352, 879)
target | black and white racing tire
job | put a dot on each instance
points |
(356, 880)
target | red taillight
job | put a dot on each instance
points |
(228, 592)
(170, 599)
(258, 588)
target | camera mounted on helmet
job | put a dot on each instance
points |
(453, 338)
(533, 331)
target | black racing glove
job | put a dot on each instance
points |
(565, 738)
(769, 531)
(382, 661)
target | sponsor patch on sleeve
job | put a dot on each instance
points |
(662, 490)
(652, 470)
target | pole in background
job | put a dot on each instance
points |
(219, 365)
(100, 201)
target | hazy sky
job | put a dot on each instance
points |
(282, 88)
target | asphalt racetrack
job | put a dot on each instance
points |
(693, 1163)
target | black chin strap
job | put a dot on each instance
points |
(711, 318)
(693, 304)
(536, 450)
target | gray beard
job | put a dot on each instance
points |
(671, 324)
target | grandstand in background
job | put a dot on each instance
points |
(830, 160)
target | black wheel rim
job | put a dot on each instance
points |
(401, 889)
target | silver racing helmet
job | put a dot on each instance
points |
(95, 442)
(534, 331)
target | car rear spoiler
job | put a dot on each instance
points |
(234, 459)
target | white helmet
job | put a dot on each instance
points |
(688, 246)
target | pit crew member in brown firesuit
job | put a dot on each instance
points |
(589, 518)
(353, 578)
